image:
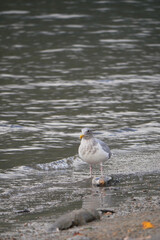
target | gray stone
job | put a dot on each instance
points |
(75, 218)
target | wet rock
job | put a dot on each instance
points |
(102, 181)
(75, 218)
(24, 211)
(79, 238)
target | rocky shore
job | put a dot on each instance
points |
(131, 213)
(118, 225)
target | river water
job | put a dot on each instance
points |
(66, 65)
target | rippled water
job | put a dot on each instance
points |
(65, 66)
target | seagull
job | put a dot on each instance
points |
(93, 150)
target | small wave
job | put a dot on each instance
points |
(5, 128)
(55, 165)
(21, 171)
(14, 12)
(62, 164)
(61, 16)
(125, 130)
(17, 172)
(117, 40)
(5, 75)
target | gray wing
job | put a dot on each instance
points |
(105, 147)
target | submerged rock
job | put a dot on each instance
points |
(75, 218)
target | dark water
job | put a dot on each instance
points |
(66, 65)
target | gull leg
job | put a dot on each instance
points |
(90, 170)
(101, 168)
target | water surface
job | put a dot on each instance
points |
(65, 66)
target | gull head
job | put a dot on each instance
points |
(86, 133)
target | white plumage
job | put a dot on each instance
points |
(93, 150)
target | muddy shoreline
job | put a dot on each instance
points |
(132, 200)
(119, 225)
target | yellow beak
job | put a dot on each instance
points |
(81, 136)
